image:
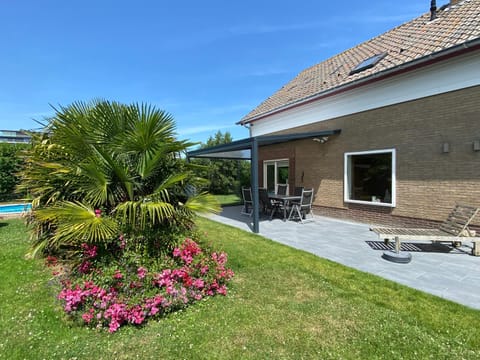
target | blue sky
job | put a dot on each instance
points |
(208, 63)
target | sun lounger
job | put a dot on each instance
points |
(454, 229)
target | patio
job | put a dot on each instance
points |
(437, 269)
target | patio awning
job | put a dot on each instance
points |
(242, 149)
(247, 149)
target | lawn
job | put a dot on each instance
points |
(283, 303)
(229, 200)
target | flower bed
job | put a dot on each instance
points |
(109, 294)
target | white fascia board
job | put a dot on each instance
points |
(453, 74)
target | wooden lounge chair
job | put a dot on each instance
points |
(454, 229)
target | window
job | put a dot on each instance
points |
(275, 172)
(370, 177)
(368, 63)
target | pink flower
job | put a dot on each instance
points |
(84, 267)
(164, 279)
(123, 242)
(220, 259)
(98, 212)
(222, 290)
(89, 251)
(199, 283)
(118, 275)
(135, 315)
(187, 251)
(141, 272)
(117, 313)
(88, 316)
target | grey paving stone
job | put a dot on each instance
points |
(454, 275)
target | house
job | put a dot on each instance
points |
(14, 137)
(394, 123)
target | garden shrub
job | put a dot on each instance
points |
(111, 291)
(102, 169)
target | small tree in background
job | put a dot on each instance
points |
(10, 163)
(225, 176)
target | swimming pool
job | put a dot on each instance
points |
(14, 208)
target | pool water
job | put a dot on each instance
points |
(14, 208)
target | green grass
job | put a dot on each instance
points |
(283, 304)
(229, 200)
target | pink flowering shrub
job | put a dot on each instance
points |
(110, 294)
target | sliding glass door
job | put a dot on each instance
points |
(275, 172)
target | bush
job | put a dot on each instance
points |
(224, 176)
(111, 291)
(10, 164)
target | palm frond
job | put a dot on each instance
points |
(138, 214)
(203, 203)
(76, 223)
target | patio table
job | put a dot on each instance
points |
(285, 199)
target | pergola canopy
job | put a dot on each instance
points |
(242, 149)
(247, 149)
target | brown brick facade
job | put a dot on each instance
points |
(429, 181)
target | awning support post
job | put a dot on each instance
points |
(254, 179)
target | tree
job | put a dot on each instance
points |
(105, 168)
(10, 164)
(225, 176)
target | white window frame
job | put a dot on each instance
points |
(346, 183)
(275, 162)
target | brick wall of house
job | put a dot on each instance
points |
(429, 181)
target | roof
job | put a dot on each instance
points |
(419, 38)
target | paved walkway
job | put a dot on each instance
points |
(437, 269)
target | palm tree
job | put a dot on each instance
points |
(102, 168)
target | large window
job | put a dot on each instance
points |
(370, 177)
(275, 172)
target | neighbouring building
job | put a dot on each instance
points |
(14, 137)
(404, 110)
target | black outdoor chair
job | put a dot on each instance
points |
(298, 191)
(282, 189)
(301, 209)
(247, 208)
(266, 203)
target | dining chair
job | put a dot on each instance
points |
(298, 191)
(304, 207)
(247, 208)
(266, 202)
(282, 189)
